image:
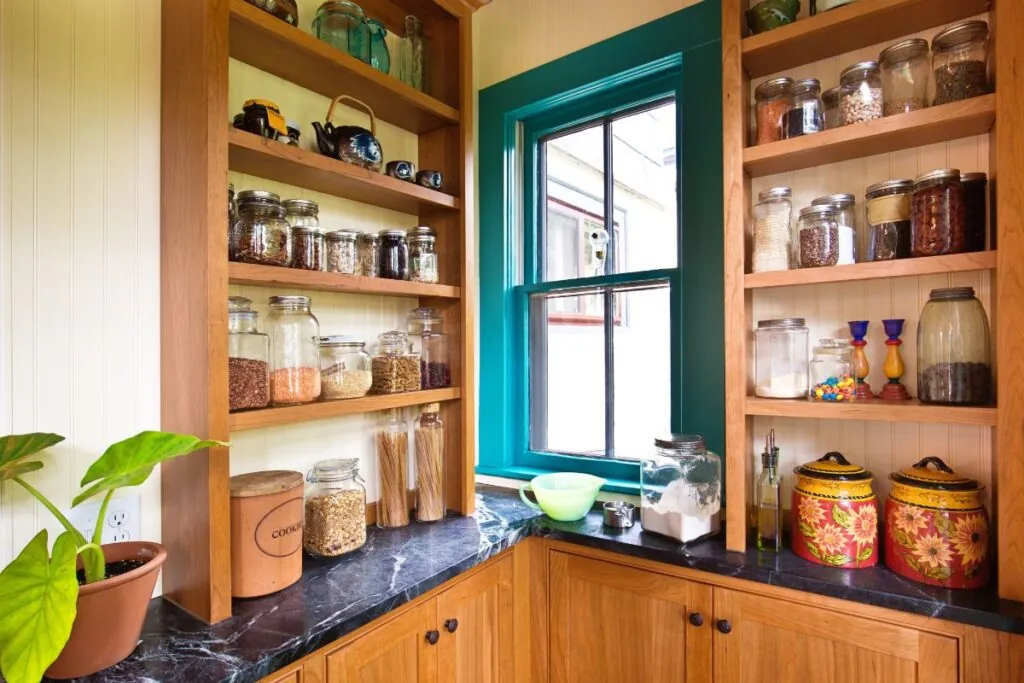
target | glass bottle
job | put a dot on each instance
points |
(343, 26)
(423, 255)
(888, 216)
(429, 449)
(393, 470)
(846, 221)
(394, 255)
(681, 488)
(335, 519)
(905, 73)
(341, 252)
(768, 493)
(368, 249)
(861, 93)
(831, 371)
(248, 362)
(425, 327)
(780, 360)
(380, 57)
(395, 367)
(960, 62)
(773, 232)
(954, 349)
(344, 368)
(937, 214)
(294, 351)
(807, 115)
(773, 99)
(411, 54)
(264, 236)
(818, 240)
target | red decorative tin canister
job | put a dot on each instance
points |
(936, 528)
(835, 514)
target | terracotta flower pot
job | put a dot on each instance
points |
(110, 613)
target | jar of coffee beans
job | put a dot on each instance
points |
(861, 88)
(960, 61)
(818, 237)
(937, 214)
(773, 99)
(953, 349)
(263, 235)
(394, 255)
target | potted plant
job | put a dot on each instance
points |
(79, 609)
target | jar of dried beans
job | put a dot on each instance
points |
(937, 214)
(975, 209)
(426, 336)
(807, 115)
(294, 351)
(905, 72)
(264, 236)
(844, 205)
(344, 368)
(888, 214)
(861, 93)
(954, 349)
(395, 367)
(423, 255)
(341, 252)
(773, 99)
(307, 248)
(335, 520)
(368, 249)
(960, 62)
(394, 255)
(248, 362)
(818, 237)
(773, 231)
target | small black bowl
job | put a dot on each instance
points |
(432, 179)
(403, 170)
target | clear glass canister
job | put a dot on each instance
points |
(831, 371)
(960, 62)
(335, 521)
(302, 213)
(773, 231)
(429, 449)
(426, 335)
(343, 26)
(248, 362)
(888, 216)
(342, 256)
(411, 57)
(861, 93)
(344, 368)
(681, 488)
(905, 74)
(773, 100)
(368, 248)
(846, 219)
(818, 237)
(232, 221)
(394, 255)
(975, 209)
(833, 114)
(380, 56)
(423, 255)
(307, 249)
(393, 469)
(954, 349)
(239, 303)
(264, 236)
(294, 351)
(780, 360)
(395, 367)
(807, 115)
(938, 214)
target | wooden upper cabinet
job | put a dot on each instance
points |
(615, 623)
(776, 641)
(397, 652)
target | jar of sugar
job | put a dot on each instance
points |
(681, 488)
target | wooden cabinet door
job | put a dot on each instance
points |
(475, 620)
(776, 641)
(397, 652)
(610, 623)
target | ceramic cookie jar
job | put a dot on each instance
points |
(835, 514)
(936, 527)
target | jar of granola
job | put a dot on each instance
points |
(368, 250)
(341, 252)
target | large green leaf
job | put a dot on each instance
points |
(130, 462)
(39, 595)
(16, 447)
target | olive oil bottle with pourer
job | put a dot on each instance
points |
(769, 498)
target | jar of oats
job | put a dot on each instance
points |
(335, 508)
(344, 368)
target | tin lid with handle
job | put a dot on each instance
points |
(941, 478)
(833, 466)
(264, 483)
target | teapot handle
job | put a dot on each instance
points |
(932, 460)
(836, 457)
(359, 105)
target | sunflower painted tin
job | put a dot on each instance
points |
(936, 527)
(835, 514)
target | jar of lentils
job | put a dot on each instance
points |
(294, 351)
(937, 214)
(264, 236)
(368, 249)
(888, 214)
(960, 62)
(844, 205)
(423, 255)
(819, 237)
(341, 252)
(773, 99)
(905, 75)
(307, 248)
(394, 255)
(861, 93)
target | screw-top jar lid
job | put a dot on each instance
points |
(368, 237)
(334, 469)
(288, 301)
(686, 444)
(951, 293)
(840, 200)
(830, 343)
(264, 483)
(818, 211)
(858, 71)
(903, 51)
(341, 340)
(342, 236)
(781, 324)
(831, 96)
(304, 207)
(889, 186)
(972, 177)
(938, 175)
(833, 466)
(258, 196)
(774, 193)
(422, 231)
(806, 85)
(958, 34)
(392, 233)
(776, 87)
(303, 230)
(239, 303)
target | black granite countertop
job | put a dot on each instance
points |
(336, 597)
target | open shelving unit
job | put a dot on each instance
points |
(198, 148)
(1000, 116)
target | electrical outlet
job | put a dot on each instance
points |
(123, 521)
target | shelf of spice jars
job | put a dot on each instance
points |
(273, 160)
(321, 410)
(912, 267)
(273, 276)
(875, 410)
(941, 123)
(848, 28)
(269, 44)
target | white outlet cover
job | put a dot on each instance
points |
(123, 519)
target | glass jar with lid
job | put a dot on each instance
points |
(937, 214)
(780, 360)
(861, 93)
(302, 213)
(807, 115)
(888, 216)
(342, 24)
(960, 61)
(830, 102)
(429, 449)
(294, 351)
(393, 470)
(344, 368)
(773, 231)
(831, 371)
(341, 252)
(394, 255)
(307, 248)
(423, 255)
(905, 72)
(773, 99)
(818, 237)
(248, 362)
(426, 335)
(239, 303)
(681, 488)
(395, 367)
(335, 520)
(368, 249)
(264, 236)
(954, 349)
(846, 220)
(975, 209)
(232, 221)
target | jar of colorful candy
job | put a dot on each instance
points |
(832, 371)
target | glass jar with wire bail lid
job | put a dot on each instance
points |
(248, 360)
(681, 488)
(368, 249)
(773, 231)
(937, 218)
(905, 73)
(818, 237)
(394, 255)
(344, 368)
(423, 255)
(861, 93)
(780, 358)
(845, 206)
(773, 99)
(807, 115)
(960, 62)
(264, 236)
(342, 255)
(888, 214)
(294, 351)
(335, 506)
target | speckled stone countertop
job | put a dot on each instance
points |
(336, 597)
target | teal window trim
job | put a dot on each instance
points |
(678, 54)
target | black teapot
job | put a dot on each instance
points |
(351, 144)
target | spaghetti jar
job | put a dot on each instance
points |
(393, 470)
(429, 438)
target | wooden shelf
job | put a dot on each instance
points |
(902, 131)
(272, 276)
(272, 417)
(880, 411)
(932, 265)
(271, 45)
(860, 24)
(258, 156)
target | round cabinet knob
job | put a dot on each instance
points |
(724, 626)
(696, 618)
(432, 637)
(450, 625)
